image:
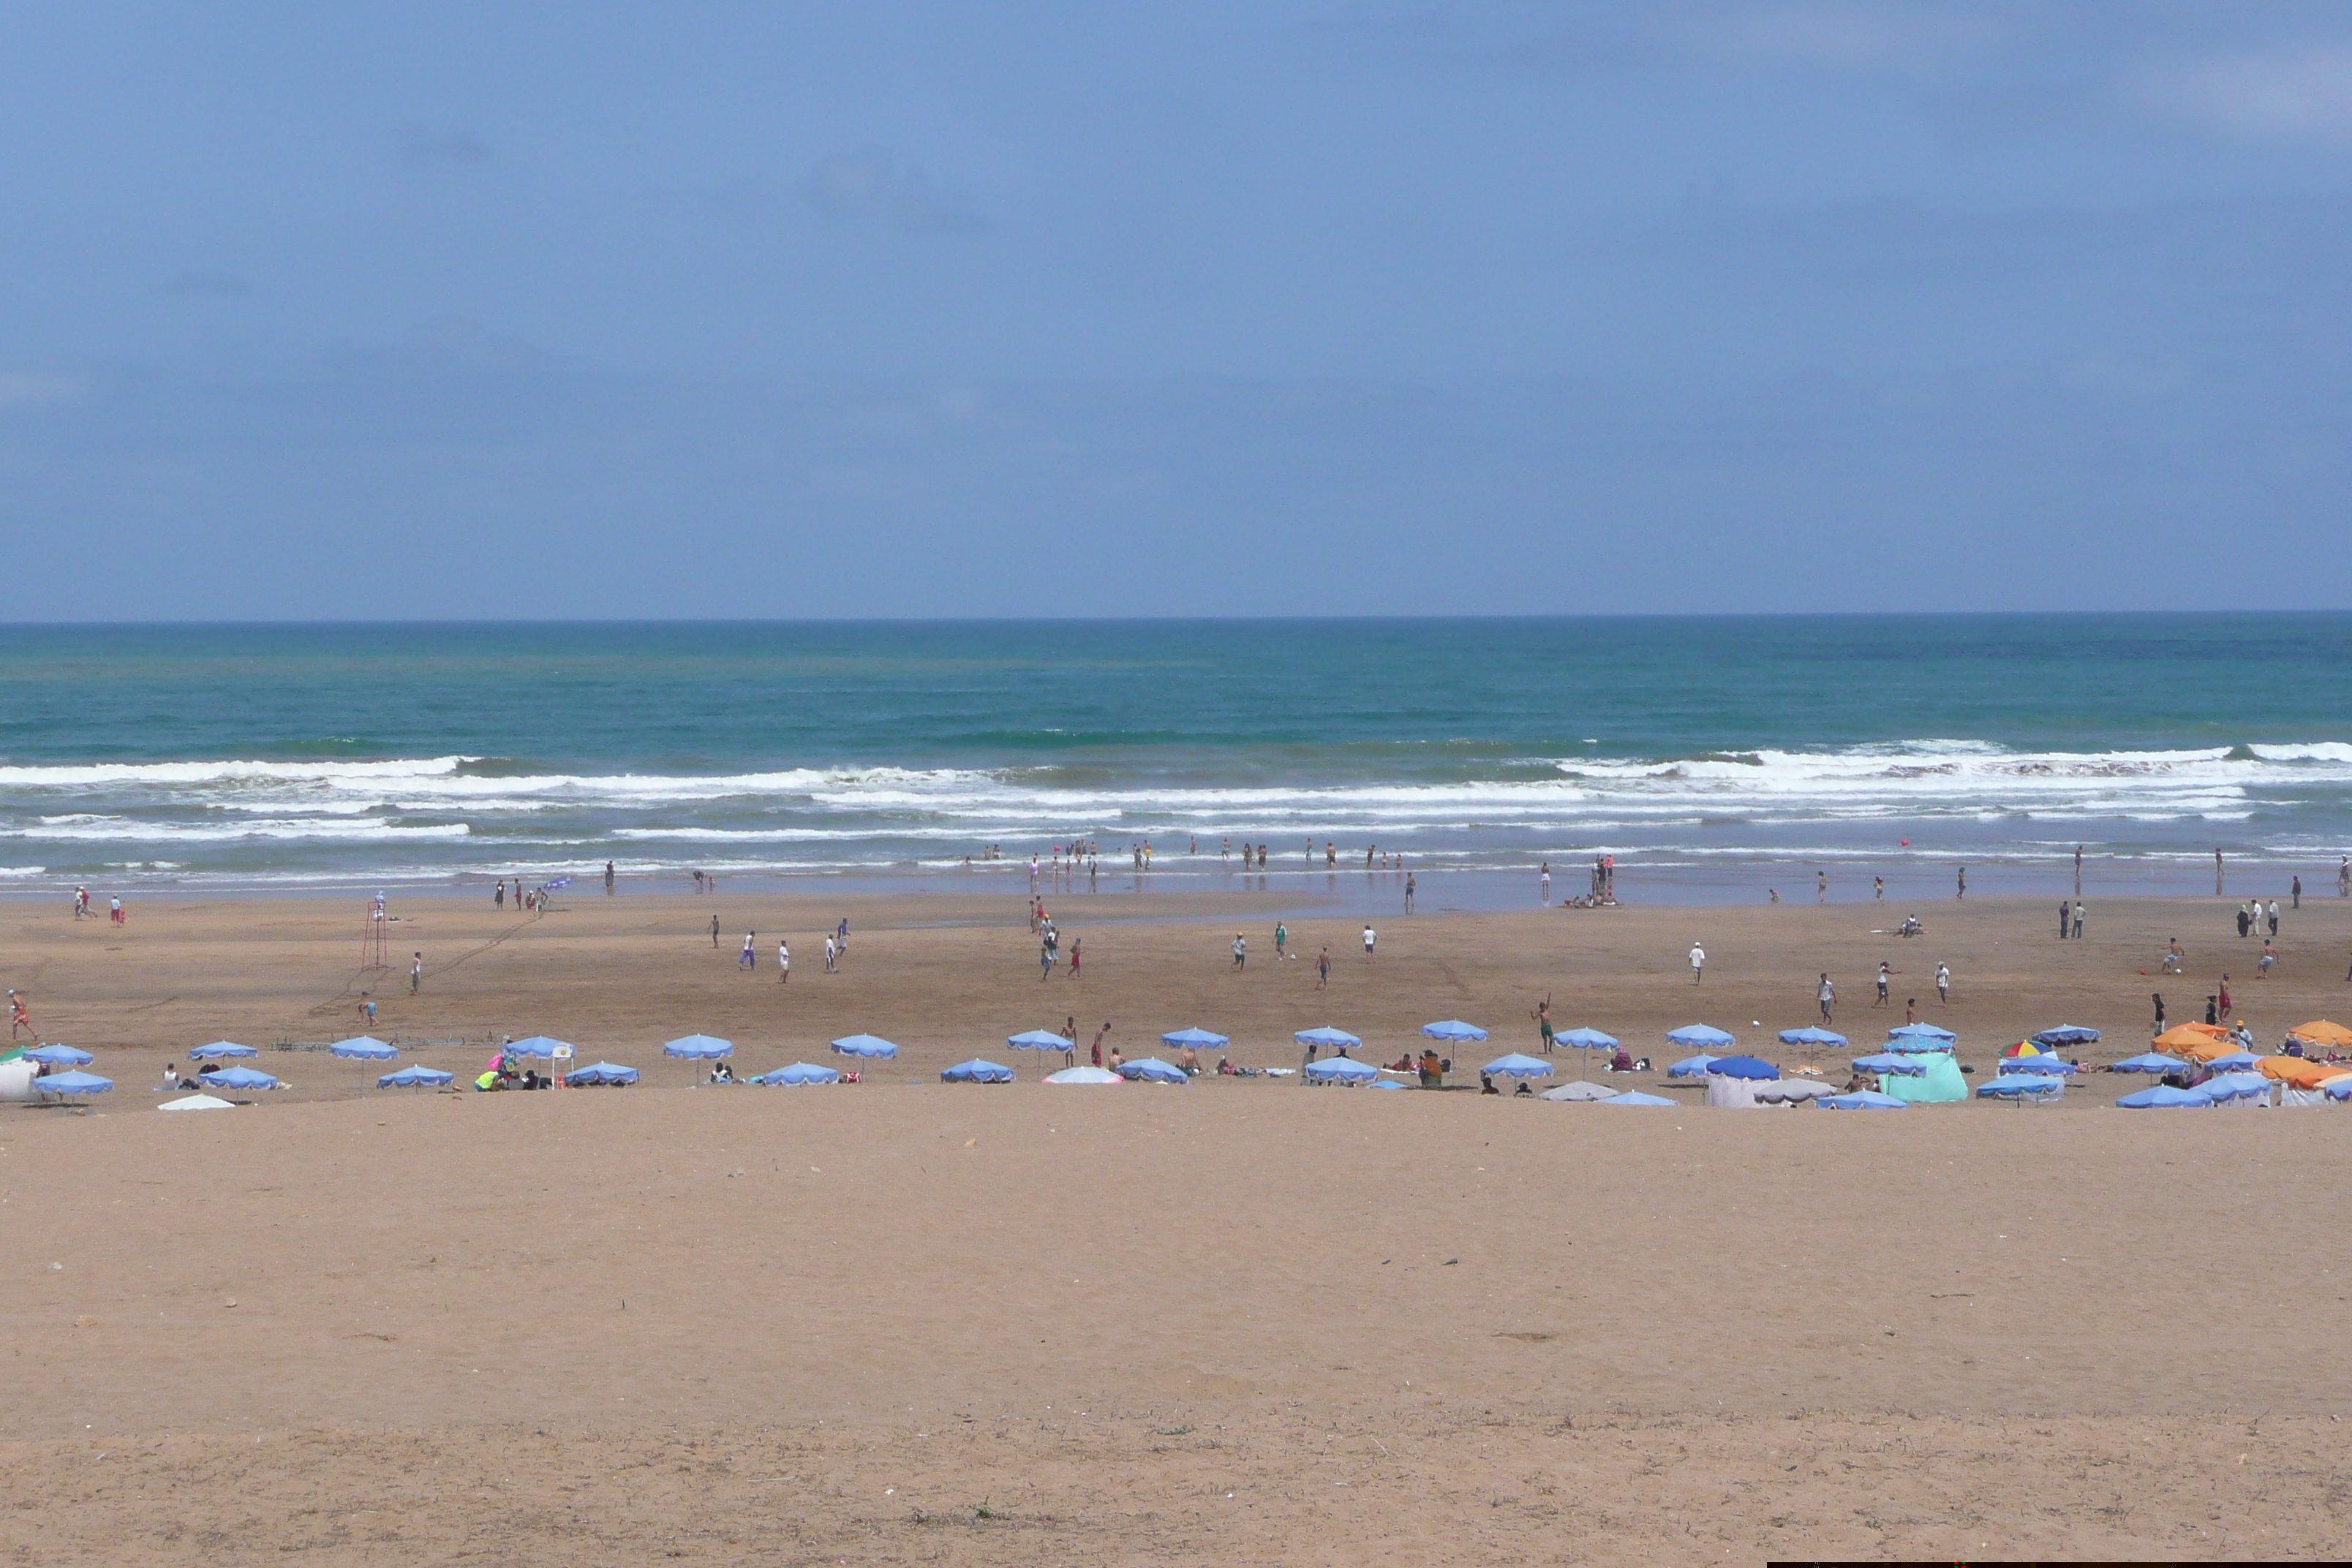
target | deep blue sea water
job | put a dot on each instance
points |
(1711, 757)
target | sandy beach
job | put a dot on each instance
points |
(1235, 1321)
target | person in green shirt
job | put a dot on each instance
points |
(1281, 940)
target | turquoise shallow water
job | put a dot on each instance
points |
(1703, 754)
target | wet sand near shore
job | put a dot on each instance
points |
(1235, 1321)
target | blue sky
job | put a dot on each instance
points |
(922, 310)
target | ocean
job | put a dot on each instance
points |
(1712, 757)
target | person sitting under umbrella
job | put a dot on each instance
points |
(1432, 1071)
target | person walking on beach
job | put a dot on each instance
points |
(784, 962)
(2294, 889)
(18, 1018)
(1697, 962)
(2270, 956)
(1281, 942)
(1370, 937)
(748, 959)
(1077, 950)
(2245, 921)
(1046, 957)
(1323, 969)
(114, 912)
(1943, 981)
(2223, 996)
(1543, 1023)
(1240, 951)
(2078, 920)
(1883, 975)
(714, 934)
(2273, 917)
(416, 972)
(829, 952)
(1828, 997)
(1097, 1053)
(2158, 997)
(1409, 887)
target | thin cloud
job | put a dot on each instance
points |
(425, 147)
(2285, 95)
(872, 188)
(34, 389)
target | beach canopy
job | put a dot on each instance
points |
(366, 1047)
(2067, 1035)
(1635, 1097)
(2320, 1032)
(1341, 1070)
(2164, 1097)
(975, 1071)
(1199, 1040)
(1517, 1066)
(2185, 1037)
(865, 1046)
(2237, 1085)
(2150, 1061)
(1742, 1066)
(60, 1054)
(2020, 1085)
(73, 1083)
(2234, 1061)
(1699, 1036)
(538, 1045)
(237, 1078)
(1691, 1066)
(2338, 1087)
(1328, 1038)
(2036, 1067)
(1035, 1040)
(1452, 1029)
(2300, 1071)
(1921, 1032)
(1810, 1036)
(1861, 1099)
(1888, 1061)
(799, 1073)
(600, 1072)
(1084, 1075)
(1151, 1069)
(695, 1048)
(416, 1076)
(197, 1102)
(1587, 1039)
(219, 1048)
(1580, 1089)
(1791, 1091)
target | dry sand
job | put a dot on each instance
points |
(1233, 1322)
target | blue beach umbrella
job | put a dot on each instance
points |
(2337, 1089)
(1742, 1066)
(1037, 1040)
(1329, 1038)
(415, 1077)
(2019, 1086)
(1862, 1100)
(219, 1048)
(538, 1045)
(865, 1046)
(2164, 1097)
(1700, 1038)
(799, 1073)
(2236, 1086)
(1341, 1070)
(1517, 1066)
(1199, 1040)
(1635, 1097)
(976, 1071)
(2235, 1061)
(1151, 1069)
(365, 1048)
(1692, 1067)
(600, 1073)
(1587, 1039)
(1810, 1037)
(1890, 1061)
(1921, 1032)
(73, 1083)
(697, 1047)
(2042, 1067)
(235, 1077)
(1383, 1083)
(1452, 1029)
(60, 1056)
(2150, 1062)
(2067, 1035)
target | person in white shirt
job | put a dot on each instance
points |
(1368, 942)
(1697, 960)
(784, 962)
(1828, 997)
(1943, 981)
